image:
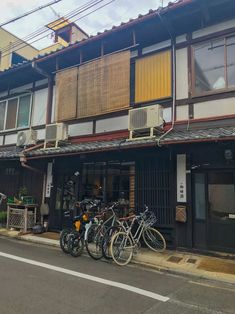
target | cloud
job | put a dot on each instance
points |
(113, 14)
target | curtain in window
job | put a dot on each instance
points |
(66, 94)
(11, 114)
(104, 85)
(153, 77)
(23, 111)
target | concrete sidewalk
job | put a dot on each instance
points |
(200, 266)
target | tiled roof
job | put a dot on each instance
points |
(173, 137)
(176, 136)
(10, 152)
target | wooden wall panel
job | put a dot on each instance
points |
(153, 77)
(66, 94)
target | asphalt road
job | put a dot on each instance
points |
(39, 279)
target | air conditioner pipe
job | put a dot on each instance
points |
(50, 91)
(173, 114)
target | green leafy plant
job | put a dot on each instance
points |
(23, 191)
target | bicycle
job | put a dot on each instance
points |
(96, 230)
(125, 243)
(73, 232)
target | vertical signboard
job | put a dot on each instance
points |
(181, 179)
(49, 179)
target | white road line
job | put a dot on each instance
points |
(111, 283)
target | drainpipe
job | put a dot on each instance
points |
(23, 161)
(173, 81)
(50, 91)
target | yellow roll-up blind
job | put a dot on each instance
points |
(153, 77)
(66, 94)
(104, 85)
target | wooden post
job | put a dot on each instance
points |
(8, 214)
(25, 219)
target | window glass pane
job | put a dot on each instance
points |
(2, 114)
(221, 188)
(209, 66)
(231, 60)
(11, 114)
(23, 112)
(200, 197)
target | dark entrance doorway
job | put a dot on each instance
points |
(214, 210)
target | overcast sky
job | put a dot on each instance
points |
(105, 18)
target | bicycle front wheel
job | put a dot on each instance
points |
(93, 241)
(64, 240)
(154, 239)
(121, 248)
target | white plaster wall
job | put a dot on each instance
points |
(10, 139)
(156, 47)
(214, 108)
(181, 39)
(53, 105)
(112, 124)
(39, 107)
(167, 114)
(182, 85)
(78, 129)
(41, 82)
(3, 94)
(1, 140)
(22, 89)
(182, 113)
(213, 29)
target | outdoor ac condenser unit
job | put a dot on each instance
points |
(56, 132)
(145, 118)
(26, 138)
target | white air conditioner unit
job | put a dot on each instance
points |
(26, 138)
(145, 118)
(56, 132)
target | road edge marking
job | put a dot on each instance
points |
(103, 281)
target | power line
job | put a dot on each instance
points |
(73, 21)
(29, 12)
(44, 29)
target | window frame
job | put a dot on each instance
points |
(4, 130)
(193, 80)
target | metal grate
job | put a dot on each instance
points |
(154, 188)
(138, 118)
(16, 219)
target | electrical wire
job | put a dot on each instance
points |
(26, 44)
(29, 12)
(44, 29)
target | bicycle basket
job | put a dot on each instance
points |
(149, 219)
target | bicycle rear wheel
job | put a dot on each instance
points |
(106, 241)
(121, 248)
(94, 241)
(154, 239)
(76, 244)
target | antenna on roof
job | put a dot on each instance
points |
(54, 11)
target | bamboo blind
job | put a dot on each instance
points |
(153, 77)
(104, 85)
(66, 94)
